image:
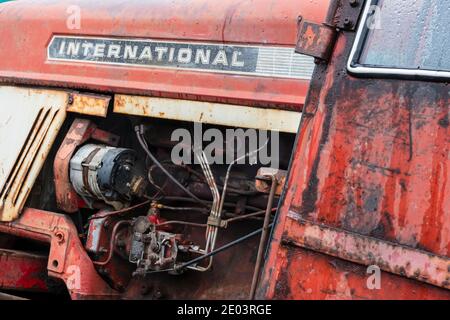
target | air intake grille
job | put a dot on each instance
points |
(30, 120)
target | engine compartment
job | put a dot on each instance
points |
(158, 228)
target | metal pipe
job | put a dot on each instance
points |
(111, 213)
(211, 231)
(263, 238)
(140, 136)
(225, 185)
(186, 223)
(216, 251)
(17, 230)
(227, 204)
(112, 243)
(246, 216)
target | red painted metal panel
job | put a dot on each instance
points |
(67, 259)
(23, 271)
(27, 27)
(373, 160)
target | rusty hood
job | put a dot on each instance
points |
(265, 30)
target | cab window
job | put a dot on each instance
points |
(408, 36)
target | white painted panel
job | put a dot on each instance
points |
(29, 122)
(212, 113)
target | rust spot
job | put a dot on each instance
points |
(89, 104)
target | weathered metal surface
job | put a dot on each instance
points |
(94, 105)
(80, 131)
(105, 241)
(372, 158)
(263, 179)
(344, 14)
(23, 271)
(316, 40)
(328, 278)
(206, 112)
(67, 259)
(30, 122)
(23, 45)
(390, 257)
(95, 236)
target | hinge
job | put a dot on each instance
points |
(316, 40)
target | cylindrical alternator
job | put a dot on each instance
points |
(106, 173)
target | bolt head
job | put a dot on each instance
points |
(348, 22)
(59, 236)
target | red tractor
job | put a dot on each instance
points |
(224, 150)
